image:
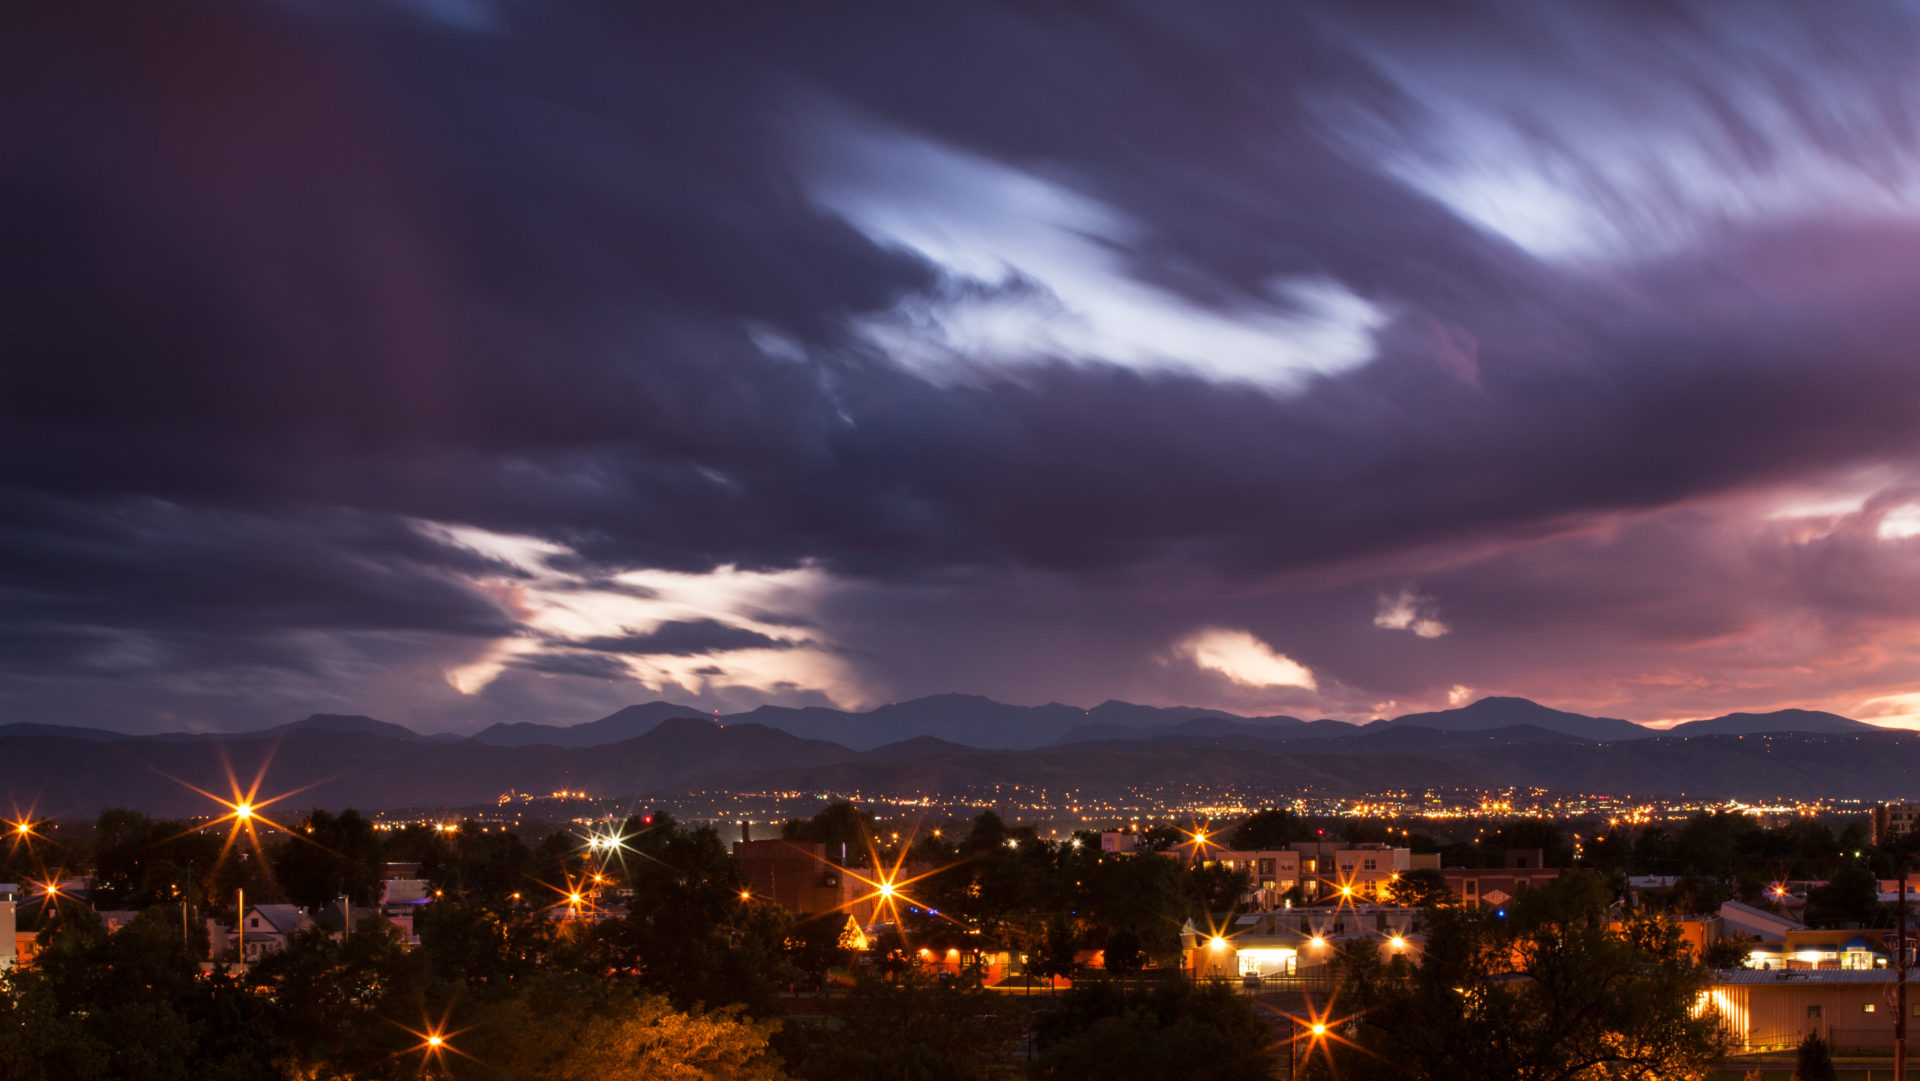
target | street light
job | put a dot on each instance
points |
(1315, 1032)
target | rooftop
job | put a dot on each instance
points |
(1803, 975)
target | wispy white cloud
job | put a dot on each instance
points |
(1408, 610)
(1244, 659)
(555, 607)
(1042, 278)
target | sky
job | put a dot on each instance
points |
(466, 361)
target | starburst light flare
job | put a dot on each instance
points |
(887, 887)
(1316, 1030)
(436, 1041)
(243, 807)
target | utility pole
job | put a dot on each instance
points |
(240, 926)
(1900, 988)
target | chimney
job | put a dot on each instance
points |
(746, 832)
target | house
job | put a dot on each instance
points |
(267, 929)
(340, 920)
(1852, 1009)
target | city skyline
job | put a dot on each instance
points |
(463, 363)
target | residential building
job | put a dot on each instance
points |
(1494, 887)
(1891, 820)
(1337, 868)
(1271, 873)
(267, 929)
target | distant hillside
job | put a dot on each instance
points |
(76, 777)
(1214, 726)
(963, 718)
(1873, 766)
(342, 723)
(977, 722)
(623, 725)
(1780, 720)
(1507, 712)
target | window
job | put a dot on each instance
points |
(1266, 868)
(1868, 1008)
(1813, 1013)
(1369, 865)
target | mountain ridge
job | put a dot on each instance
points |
(982, 723)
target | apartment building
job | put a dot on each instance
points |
(1891, 820)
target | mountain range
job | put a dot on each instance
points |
(973, 721)
(661, 748)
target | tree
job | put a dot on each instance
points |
(1273, 827)
(1214, 887)
(988, 834)
(1550, 992)
(652, 1041)
(1125, 954)
(1057, 951)
(1726, 953)
(839, 824)
(1851, 896)
(1173, 1029)
(1423, 887)
(329, 858)
(910, 1029)
(1814, 1061)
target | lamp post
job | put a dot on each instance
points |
(1900, 988)
(1313, 1032)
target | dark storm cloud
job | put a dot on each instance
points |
(143, 564)
(285, 281)
(685, 638)
(590, 665)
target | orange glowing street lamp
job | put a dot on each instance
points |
(435, 1043)
(244, 807)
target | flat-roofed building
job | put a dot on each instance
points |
(1337, 868)
(1298, 942)
(1271, 872)
(1774, 1010)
